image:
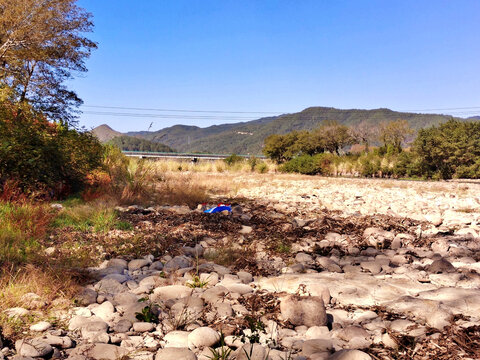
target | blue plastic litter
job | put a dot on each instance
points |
(218, 208)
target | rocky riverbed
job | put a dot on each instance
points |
(301, 269)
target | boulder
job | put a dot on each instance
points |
(175, 354)
(178, 262)
(441, 266)
(202, 337)
(251, 352)
(176, 339)
(350, 355)
(99, 352)
(304, 310)
(137, 264)
(33, 348)
(41, 326)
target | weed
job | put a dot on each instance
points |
(283, 247)
(90, 217)
(256, 326)
(225, 256)
(221, 353)
(196, 282)
(147, 315)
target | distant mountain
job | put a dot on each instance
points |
(105, 133)
(185, 137)
(248, 137)
(131, 143)
(474, 117)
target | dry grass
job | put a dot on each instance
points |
(54, 288)
(217, 166)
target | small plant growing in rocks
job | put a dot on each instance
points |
(147, 314)
(221, 353)
(196, 282)
(256, 326)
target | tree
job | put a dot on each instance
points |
(451, 149)
(334, 136)
(281, 148)
(41, 46)
(395, 133)
(364, 133)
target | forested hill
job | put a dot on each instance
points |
(105, 134)
(131, 143)
(248, 137)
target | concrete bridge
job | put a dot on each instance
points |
(181, 156)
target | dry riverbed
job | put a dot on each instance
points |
(304, 268)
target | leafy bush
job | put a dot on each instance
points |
(449, 150)
(233, 159)
(41, 155)
(304, 164)
(261, 167)
(310, 165)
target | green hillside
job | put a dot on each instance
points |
(248, 137)
(130, 143)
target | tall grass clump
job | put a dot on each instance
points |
(22, 225)
(97, 217)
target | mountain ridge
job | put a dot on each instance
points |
(248, 137)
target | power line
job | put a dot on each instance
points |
(170, 116)
(229, 115)
(182, 110)
(459, 108)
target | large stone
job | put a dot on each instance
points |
(86, 297)
(105, 311)
(441, 266)
(33, 348)
(304, 310)
(251, 352)
(316, 345)
(178, 262)
(215, 294)
(99, 352)
(175, 354)
(202, 337)
(176, 339)
(171, 292)
(63, 342)
(122, 326)
(41, 326)
(110, 286)
(143, 327)
(138, 264)
(350, 355)
(95, 331)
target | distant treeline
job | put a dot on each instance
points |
(130, 143)
(449, 150)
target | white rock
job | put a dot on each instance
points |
(176, 339)
(175, 354)
(41, 326)
(202, 337)
(143, 327)
(105, 311)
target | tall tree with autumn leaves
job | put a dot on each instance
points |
(42, 44)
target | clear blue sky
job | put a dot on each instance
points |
(279, 56)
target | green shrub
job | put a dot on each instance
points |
(304, 164)
(41, 155)
(233, 159)
(261, 167)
